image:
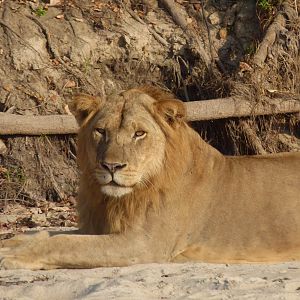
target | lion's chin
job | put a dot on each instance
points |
(115, 191)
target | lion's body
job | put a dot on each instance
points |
(173, 197)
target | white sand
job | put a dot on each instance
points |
(156, 281)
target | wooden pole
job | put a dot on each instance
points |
(236, 107)
(11, 124)
(37, 125)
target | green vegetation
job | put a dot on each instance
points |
(14, 174)
(264, 4)
(267, 5)
(40, 11)
(87, 65)
(251, 49)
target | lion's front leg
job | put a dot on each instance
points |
(76, 251)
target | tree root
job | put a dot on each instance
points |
(252, 138)
(181, 21)
(272, 32)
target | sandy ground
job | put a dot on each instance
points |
(156, 281)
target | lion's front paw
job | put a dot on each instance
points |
(19, 258)
(25, 252)
(9, 263)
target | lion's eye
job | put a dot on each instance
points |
(100, 131)
(139, 134)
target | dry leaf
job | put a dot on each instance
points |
(70, 84)
(245, 67)
(60, 17)
(78, 19)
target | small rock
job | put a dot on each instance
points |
(39, 218)
(3, 148)
(8, 87)
(215, 18)
(223, 33)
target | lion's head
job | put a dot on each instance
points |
(122, 141)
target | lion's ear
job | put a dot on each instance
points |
(82, 106)
(173, 111)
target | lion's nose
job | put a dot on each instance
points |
(112, 167)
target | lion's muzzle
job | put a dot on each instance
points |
(114, 178)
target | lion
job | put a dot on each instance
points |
(152, 190)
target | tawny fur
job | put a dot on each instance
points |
(187, 200)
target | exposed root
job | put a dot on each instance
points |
(180, 20)
(252, 138)
(273, 31)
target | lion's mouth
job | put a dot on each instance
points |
(113, 183)
(115, 190)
